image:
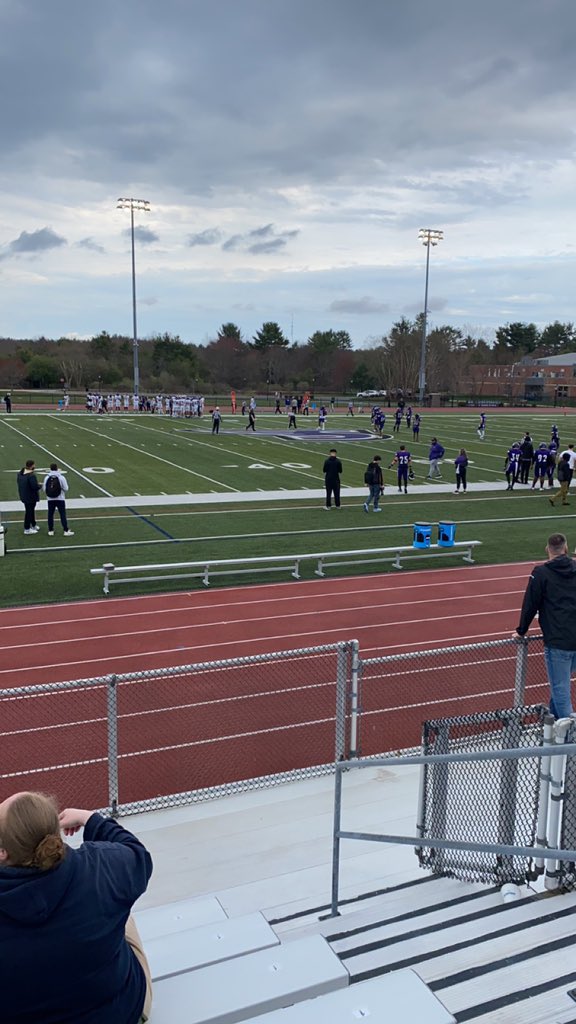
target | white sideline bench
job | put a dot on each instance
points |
(249, 985)
(116, 574)
(183, 951)
(180, 916)
(400, 996)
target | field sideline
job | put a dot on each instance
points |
(142, 484)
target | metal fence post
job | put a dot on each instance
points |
(341, 701)
(355, 669)
(112, 723)
(521, 671)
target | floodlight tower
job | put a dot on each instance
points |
(141, 205)
(428, 237)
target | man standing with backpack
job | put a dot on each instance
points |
(374, 478)
(55, 486)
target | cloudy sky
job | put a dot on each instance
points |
(290, 151)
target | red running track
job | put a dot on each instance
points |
(385, 612)
(189, 732)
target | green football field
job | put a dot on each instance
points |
(130, 457)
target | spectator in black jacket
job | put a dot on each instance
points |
(551, 592)
(29, 492)
(332, 470)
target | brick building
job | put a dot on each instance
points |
(550, 380)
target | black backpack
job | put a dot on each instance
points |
(369, 475)
(53, 488)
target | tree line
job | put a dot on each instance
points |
(269, 361)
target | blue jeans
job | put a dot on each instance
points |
(560, 665)
(374, 495)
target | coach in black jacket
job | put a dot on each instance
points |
(551, 592)
(332, 470)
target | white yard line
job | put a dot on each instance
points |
(175, 465)
(61, 462)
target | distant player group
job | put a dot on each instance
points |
(542, 463)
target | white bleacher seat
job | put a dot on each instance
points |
(249, 985)
(398, 998)
(200, 947)
(177, 917)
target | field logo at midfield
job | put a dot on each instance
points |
(97, 469)
(284, 465)
(331, 435)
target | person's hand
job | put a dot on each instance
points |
(72, 819)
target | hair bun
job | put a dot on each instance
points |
(49, 852)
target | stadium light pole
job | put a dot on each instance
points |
(428, 237)
(142, 206)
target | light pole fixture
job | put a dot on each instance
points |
(428, 237)
(142, 206)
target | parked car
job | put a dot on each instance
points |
(371, 394)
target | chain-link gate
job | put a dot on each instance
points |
(484, 802)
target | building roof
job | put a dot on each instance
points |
(566, 359)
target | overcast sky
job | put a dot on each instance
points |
(290, 150)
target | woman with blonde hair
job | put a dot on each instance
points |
(69, 951)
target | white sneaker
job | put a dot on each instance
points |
(68, 533)
(29, 532)
(50, 533)
(35, 529)
(377, 509)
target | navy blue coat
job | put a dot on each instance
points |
(63, 955)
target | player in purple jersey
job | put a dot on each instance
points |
(512, 465)
(554, 436)
(398, 415)
(541, 456)
(416, 426)
(481, 431)
(408, 416)
(551, 463)
(402, 459)
(379, 421)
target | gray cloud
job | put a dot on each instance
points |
(89, 243)
(361, 103)
(268, 240)
(34, 242)
(210, 236)
(142, 234)
(365, 305)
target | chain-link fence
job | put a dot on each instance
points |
(398, 692)
(159, 738)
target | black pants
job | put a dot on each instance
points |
(60, 505)
(29, 515)
(251, 426)
(461, 478)
(332, 488)
(216, 427)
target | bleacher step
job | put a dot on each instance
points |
(200, 947)
(401, 997)
(250, 985)
(178, 917)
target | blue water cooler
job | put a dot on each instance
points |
(422, 535)
(446, 534)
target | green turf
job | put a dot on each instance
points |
(150, 455)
